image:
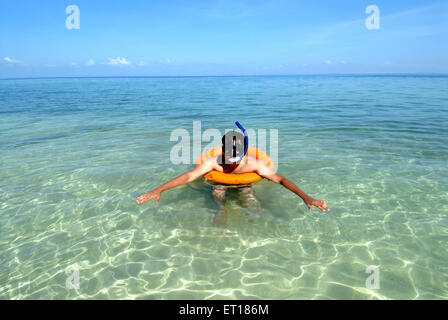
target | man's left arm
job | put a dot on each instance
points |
(268, 173)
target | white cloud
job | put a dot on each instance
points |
(74, 64)
(9, 60)
(165, 61)
(141, 64)
(328, 62)
(90, 62)
(118, 61)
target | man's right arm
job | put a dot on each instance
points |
(204, 168)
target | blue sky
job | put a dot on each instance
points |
(168, 38)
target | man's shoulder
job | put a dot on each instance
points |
(253, 162)
(211, 160)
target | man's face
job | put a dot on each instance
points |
(229, 163)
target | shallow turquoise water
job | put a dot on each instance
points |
(75, 154)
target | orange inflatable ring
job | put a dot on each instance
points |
(230, 178)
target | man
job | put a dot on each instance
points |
(233, 146)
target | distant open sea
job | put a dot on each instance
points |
(76, 152)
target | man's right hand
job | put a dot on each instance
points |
(204, 168)
(148, 196)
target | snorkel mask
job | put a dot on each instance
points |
(246, 145)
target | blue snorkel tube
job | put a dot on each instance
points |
(246, 144)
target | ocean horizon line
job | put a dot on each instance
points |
(435, 75)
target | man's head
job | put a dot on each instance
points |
(233, 145)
